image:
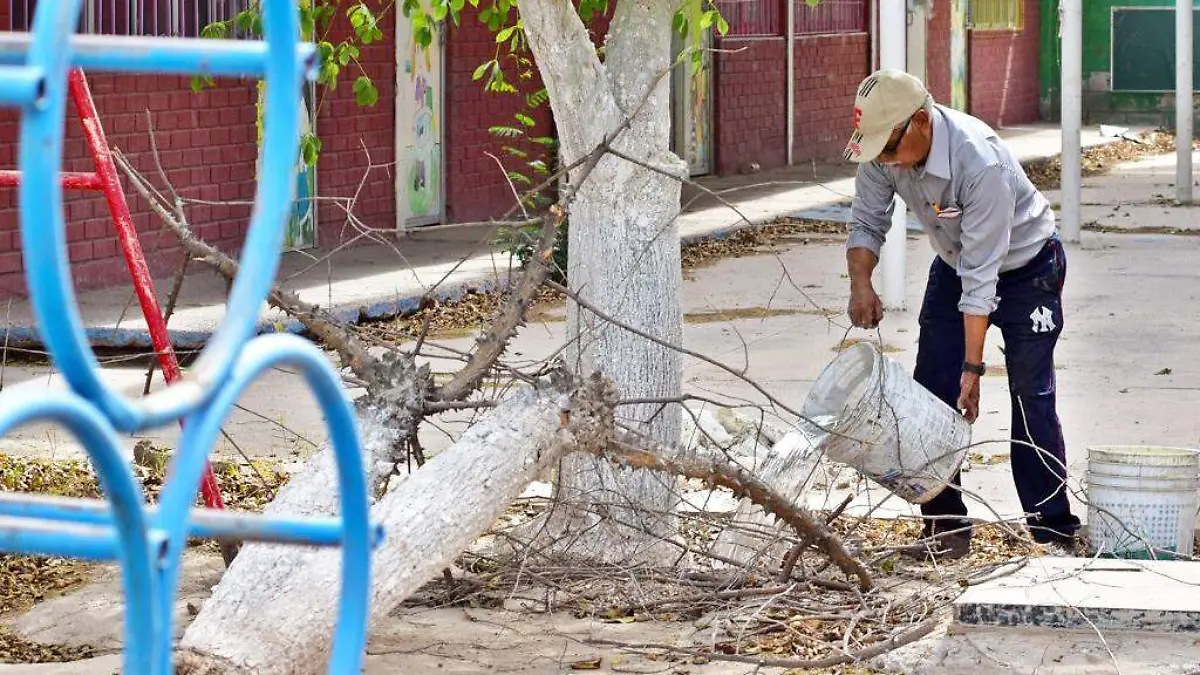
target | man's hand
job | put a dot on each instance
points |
(866, 310)
(968, 397)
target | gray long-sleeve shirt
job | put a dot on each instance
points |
(972, 197)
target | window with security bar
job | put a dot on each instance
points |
(155, 18)
(996, 14)
(831, 16)
(752, 18)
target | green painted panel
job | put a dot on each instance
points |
(1097, 24)
(1143, 47)
(958, 55)
(1049, 71)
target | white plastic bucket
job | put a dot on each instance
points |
(885, 425)
(1142, 500)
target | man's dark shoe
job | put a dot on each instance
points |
(943, 546)
(1064, 541)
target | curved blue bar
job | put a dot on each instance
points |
(21, 86)
(200, 434)
(33, 76)
(18, 535)
(142, 625)
(202, 523)
(43, 234)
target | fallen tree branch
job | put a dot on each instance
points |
(635, 452)
(789, 562)
(248, 627)
(495, 339)
(322, 325)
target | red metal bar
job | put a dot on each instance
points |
(70, 180)
(139, 272)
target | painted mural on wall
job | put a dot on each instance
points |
(958, 54)
(418, 128)
(301, 229)
(699, 119)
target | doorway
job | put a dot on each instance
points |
(420, 128)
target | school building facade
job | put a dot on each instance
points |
(424, 153)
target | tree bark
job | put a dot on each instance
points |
(273, 612)
(624, 259)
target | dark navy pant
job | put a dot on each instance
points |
(1030, 317)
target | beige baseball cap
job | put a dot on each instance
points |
(884, 101)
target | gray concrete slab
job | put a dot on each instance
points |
(988, 650)
(1081, 594)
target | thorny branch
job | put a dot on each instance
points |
(637, 452)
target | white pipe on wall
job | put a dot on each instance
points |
(789, 33)
(1183, 100)
(873, 28)
(893, 55)
(1072, 116)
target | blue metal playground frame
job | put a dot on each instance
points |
(149, 543)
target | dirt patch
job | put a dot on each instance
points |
(850, 342)
(759, 240)
(457, 318)
(1094, 226)
(1046, 174)
(738, 313)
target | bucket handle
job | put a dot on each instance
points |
(842, 346)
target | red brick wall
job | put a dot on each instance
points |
(1003, 77)
(476, 187)
(828, 70)
(359, 147)
(748, 108)
(937, 54)
(206, 144)
(207, 147)
(751, 113)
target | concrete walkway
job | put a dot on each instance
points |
(380, 281)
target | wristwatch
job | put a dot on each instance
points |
(977, 368)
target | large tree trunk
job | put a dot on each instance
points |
(273, 613)
(274, 610)
(624, 259)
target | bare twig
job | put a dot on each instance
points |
(493, 342)
(172, 298)
(637, 452)
(913, 634)
(318, 321)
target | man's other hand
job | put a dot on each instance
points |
(866, 310)
(968, 397)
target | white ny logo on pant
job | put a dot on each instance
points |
(1043, 320)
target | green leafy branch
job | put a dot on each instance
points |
(336, 57)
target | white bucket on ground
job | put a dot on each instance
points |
(1142, 500)
(887, 426)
